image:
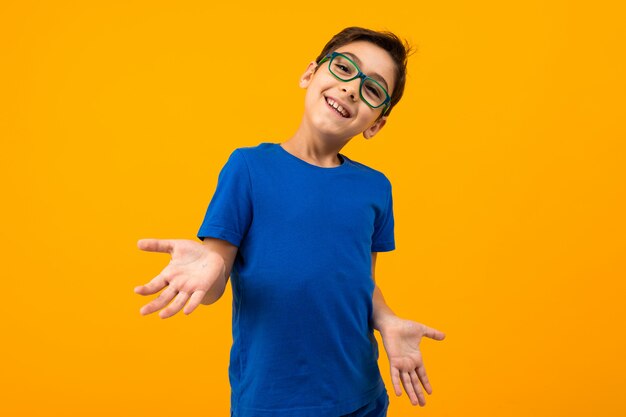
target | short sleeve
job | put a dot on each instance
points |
(229, 214)
(383, 239)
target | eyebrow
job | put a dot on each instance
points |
(372, 75)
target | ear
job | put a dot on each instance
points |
(306, 78)
(375, 128)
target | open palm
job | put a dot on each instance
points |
(191, 273)
(401, 339)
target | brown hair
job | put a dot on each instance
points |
(388, 41)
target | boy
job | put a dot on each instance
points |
(298, 226)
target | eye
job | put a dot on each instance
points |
(342, 68)
(374, 91)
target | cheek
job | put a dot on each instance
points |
(315, 91)
(311, 97)
(321, 82)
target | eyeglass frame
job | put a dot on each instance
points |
(331, 56)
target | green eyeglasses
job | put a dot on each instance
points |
(370, 90)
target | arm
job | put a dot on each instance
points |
(401, 339)
(228, 252)
(381, 311)
(196, 274)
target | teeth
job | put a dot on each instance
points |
(337, 107)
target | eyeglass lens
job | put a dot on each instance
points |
(372, 92)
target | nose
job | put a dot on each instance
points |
(352, 88)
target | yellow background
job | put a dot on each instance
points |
(507, 157)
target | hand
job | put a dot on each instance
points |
(191, 273)
(401, 339)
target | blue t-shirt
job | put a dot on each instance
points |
(303, 341)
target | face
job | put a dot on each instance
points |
(325, 92)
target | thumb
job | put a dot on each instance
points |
(434, 333)
(156, 245)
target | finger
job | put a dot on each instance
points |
(408, 387)
(194, 301)
(175, 306)
(156, 245)
(154, 286)
(395, 380)
(418, 390)
(433, 333)
(421, 373)
(160, 302)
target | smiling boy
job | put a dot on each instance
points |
(298, 225)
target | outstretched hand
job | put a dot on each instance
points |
(401, 339)
(191, 273)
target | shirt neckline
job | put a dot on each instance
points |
(342, 157)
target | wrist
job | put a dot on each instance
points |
(383, 321)
(217, 288)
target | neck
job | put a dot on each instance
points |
(315, 148)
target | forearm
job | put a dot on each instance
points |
(217, 289)
(227, 253)
(215, 292)
(381, 311)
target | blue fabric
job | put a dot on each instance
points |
(303, 341)
(377, 408)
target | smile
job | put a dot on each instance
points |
(337, 107)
